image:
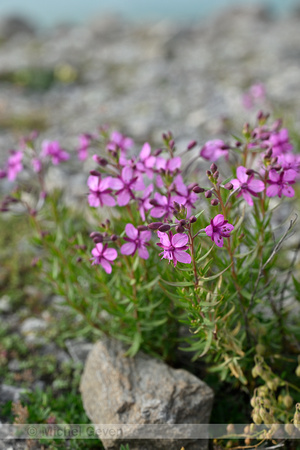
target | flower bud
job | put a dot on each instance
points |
(198, 190)
(165, 227)
(98, 239)
(79, 259)
(114, 237)
(208, 194)
(216, 175)
(155, 225)
(171, 144)
(228, 186)
(274, 160)
(176, 206)
(249, 172)
(179, 229)
(95, 173)
(297, 417)
(182, 222)
(277, 167)
(153, 202)
(213, 168)
(95, 234)
(214, 202)
(238, 144)
(157, 152)
(142, 228)
(208, 173)
(193, 219)
(191, 186)
(103, 162)
(191, 145)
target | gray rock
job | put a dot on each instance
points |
(5, 306)
(120, 390)
(78, 349)
(10, 393)
(14, 365)
(33, 325)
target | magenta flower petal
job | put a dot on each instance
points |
(110, 253)
(218, 239)
(123, 198)
(241, 174)
(209, 230)
(108, 200)
(131, 231)
(145, 235)
(274, 176)
(145, 152)
(256, 185)
(129, 248)
(143, 253)
(179, 240)
(218, 220)
(288, 191)
(174, 164)
(289, 176)
(164, 239)
(247, 197)
(272, 190)
(106, 266)
(182, 257)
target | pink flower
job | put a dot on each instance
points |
(144, 201)
(289, 161)
(100, 189)
(280, 183)
(84, 143)
(3, 173)
(168, 165)
(104, 256)
(213, 150)
(164, 206)
(53, 149)
(184, 191)
(136, 240)
(36, 164)
(280, 142)
(249, 186)
(219, 228)
(126, 184)
(146, 161)
(14, 165)
(256, 92)
(174, 247)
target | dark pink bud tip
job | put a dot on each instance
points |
(198, 190)
(268, 153)
(103, 162)
(193, 219)
(114, 237)
(79, 259)
(164, 228)
(157, 152)
(249, 172)
(191, 145)
(191, 186)
(98, 239)
(95, 234)
(182, 222)
(95, 173)
(153, 202)
(179, 229)
(238, 144)
(208, 173)
(277, 167)
(142, 228)
(260, 115)
(154, 225)
(164, 136)
(214, 202)
(213, 168)
(216, 175)
(228, 186)
(177, 206)
(274, 160)
(172, 144)
(208, 194)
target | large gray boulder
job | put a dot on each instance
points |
(142, 391)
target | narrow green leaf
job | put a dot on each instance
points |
(205, 255)
(213, 277)
(178, 283)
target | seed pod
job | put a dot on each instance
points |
(247, 429)
(260, 349)
(163, 228)
(253, 402)
(247, 441)
(297, 417)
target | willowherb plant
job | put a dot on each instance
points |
(220, 232)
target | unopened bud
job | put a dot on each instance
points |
(114, 237)
(171, 144)
(277, 167)
(198, 190)
(103, 162)
(208, 173)
(79, 259)
(163, 228)
(95, 234)
(176, 206)
(179, 229)
(249, 172)
(216, 175)
(153, 202)
(268, 154)
(228, 186)
(98, 239)
(238, 144)
(193, 219)
(208, 194)
(157, 151)
(95, 173)
(155, 225)
(182, 222)
(191, 145)
(214, 202)
(274, 160)
(142, 228)
(192, 185)
(213, 168)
